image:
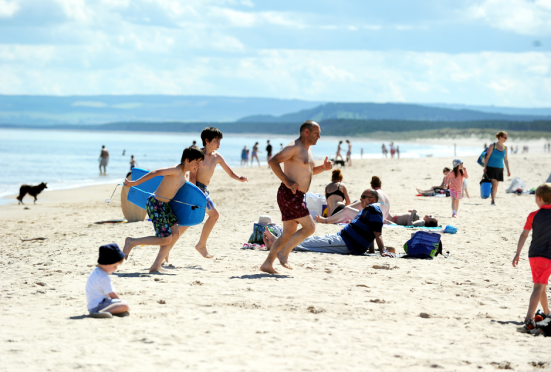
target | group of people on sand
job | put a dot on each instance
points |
(394, 150)
(366, 217)
(245, 153)
(348, 159)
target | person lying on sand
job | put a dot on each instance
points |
(442, 186)
(412, 219)
(355, 238)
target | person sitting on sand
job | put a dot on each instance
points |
(164, 220)
(355, 238)
(336, 194)
(384, 201)
(103, 301)
(412, 219)
(442, 186)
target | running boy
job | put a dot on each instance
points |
(539, 254)
(160, 213)
(201, 177)
(103, 301)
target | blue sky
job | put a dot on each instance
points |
(483, 52)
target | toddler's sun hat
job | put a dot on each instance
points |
(110, 254)
(456, 162)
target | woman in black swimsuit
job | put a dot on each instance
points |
(336, 194)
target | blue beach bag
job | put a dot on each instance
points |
(423, 244)
(482, 156)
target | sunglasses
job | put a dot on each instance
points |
(367, 196)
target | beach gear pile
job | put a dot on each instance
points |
(542, 325)
(423, 244)
(259, 228)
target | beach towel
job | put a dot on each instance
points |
(437, 229)
(516, 184)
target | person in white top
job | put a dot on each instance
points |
(103, 301)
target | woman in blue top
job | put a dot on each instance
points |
(496, 155)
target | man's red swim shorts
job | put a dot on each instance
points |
(541, 269)
(291, 205)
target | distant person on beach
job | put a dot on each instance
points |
(496, 156)
(398, 151)
(336, 194)
(255, 154)
(454, 180)
(392, 150)
(194, 143)
(133, 162)
(102, 300)
(411, 218)
(539, 254)
(362, 153)
(356, 238)
(244, 156)
(384, 150)
(442, 186)
(201, 177)
(268, 151)
(163, 218)
(281, 146)
(103, 159)
(339, 155)
(299, 166)
(349, 153)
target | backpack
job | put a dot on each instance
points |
(258, 232)
(423, 244)
(482, 156)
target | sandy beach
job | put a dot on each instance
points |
(330, 313)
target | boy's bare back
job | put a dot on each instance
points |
(171, 183)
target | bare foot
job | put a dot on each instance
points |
(269, 238)
(283, 260)
(158, 270)
(127, 247)
(166, 259)
(268, 268)
(203, 251)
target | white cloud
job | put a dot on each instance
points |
(520, 16)
(8, 8)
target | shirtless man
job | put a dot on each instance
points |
(103, 159)
(298, 164)
(412, 219)
(164, 220)
(211, 138)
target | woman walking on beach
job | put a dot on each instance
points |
(255, 154)
(496, 155)
(339, 152)
(455, 181)
(349, 153)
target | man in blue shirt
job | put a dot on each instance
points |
(355, 238)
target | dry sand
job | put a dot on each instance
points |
(331, 312)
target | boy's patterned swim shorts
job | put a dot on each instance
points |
(161, 215)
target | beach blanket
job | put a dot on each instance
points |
(431, 229)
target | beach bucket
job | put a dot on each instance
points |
(485, 190)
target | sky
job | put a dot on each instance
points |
(476, 52)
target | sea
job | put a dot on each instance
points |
(69, 158)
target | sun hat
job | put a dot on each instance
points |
(110, 254)
(264, 220)
(456, 162)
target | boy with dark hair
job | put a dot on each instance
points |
(164, 220)
(539, 254)
(103, 301)
(201, 177)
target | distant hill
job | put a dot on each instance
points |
(386, 111)
(495, 109)
(84, 110)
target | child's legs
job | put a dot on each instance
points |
(543, 300)
(453, 204)
(535, 298)
(208, 226)
(181, 231)
(119, 307)
(164, 250)
(130, 243)
(456, 204)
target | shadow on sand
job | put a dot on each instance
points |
(260, 276)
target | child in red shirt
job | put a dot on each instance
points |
(455, 181)
(539, 253)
